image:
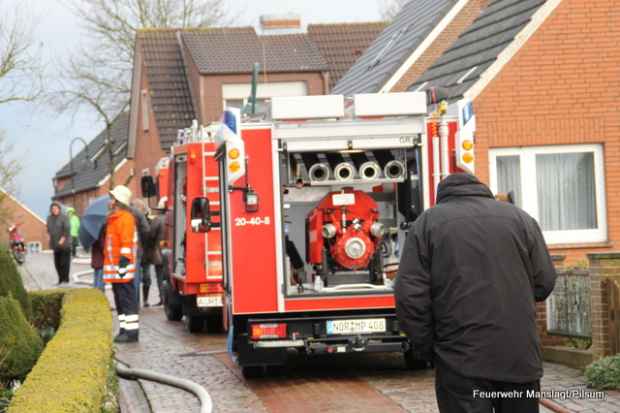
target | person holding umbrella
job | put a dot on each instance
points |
(119, 266)
(92, 235)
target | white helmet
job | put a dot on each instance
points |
(162, 204)
(122, 194)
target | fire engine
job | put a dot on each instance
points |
(192, 286)
(314, 206)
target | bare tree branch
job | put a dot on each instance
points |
(9, 169)
(390, 8)
(21, 75)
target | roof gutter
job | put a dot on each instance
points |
(428, 41)
(509, 52)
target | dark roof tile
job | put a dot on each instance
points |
(170, 95)
(88, 172)
(341, 44)
(393, 46)
(478, 47)
(235, 50)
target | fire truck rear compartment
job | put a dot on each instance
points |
(312, 335)
(345, 219)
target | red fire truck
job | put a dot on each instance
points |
(192, 285)
(315, 205)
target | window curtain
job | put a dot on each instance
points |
(566, 191)
(509, 176)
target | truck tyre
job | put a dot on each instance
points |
(413, 363)
(194, 324)
(173, 307)
(252, 372)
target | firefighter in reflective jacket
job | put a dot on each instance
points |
(119, 263)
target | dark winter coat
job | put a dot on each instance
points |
(142, 226)
(58, 226)
(471, 271)
(152, 250)
(96, 251)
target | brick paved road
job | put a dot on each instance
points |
(351, 383)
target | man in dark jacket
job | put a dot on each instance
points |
(139, 209)
(152, 256)
(59, 230)
(471, 272)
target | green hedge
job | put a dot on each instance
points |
(11, 282)
(20, 344)
(604, 374)
(72, 373)
(46, 306)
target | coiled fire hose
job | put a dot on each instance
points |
(206, 404)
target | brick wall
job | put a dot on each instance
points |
(148, 148)
(32, 227)
(605, 271)
(561, 88)
(211, 93)
(448, 36)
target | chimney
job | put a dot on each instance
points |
(280, 23)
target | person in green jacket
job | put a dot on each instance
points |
(74, 220)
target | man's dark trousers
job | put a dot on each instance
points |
(458, 394)
(62, 262)
(126, 306)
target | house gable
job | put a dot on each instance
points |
(395, 45)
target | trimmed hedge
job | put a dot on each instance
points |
(20, 344)
(46, 306)
(11, 284)
(72, 373)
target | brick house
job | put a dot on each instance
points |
(528, 66)
(417, 36)
(88, 175)
(181, 75)
(546, 104)
(32, 227)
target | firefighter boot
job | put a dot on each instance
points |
(128, 336)
(145, 294)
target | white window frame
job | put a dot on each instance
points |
(527, 156)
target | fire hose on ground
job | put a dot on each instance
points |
(206, 404)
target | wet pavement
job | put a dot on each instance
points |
(337, 383)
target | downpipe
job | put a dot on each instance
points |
(206, 404)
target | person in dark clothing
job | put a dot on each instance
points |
(138, 209)
(59, 230)
(96, 261)
(471, 271)
(152, 256)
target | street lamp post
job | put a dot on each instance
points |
(71, 163)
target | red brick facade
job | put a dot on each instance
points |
(561, 88)
(32, 226)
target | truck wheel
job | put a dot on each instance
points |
(195, 324)
(252, 372)
(413, 363)
(172, 303)
(214, 323)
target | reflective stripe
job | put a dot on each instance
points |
(122, 324)
(125, 250)
(132, 326)
(121, 317)
(130, 318)
(122, 270)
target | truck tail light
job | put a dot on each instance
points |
(271, 330)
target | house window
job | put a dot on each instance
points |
(561, 186)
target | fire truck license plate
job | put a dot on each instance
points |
(209, 301)
(363, 326)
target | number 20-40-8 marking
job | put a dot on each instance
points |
(242, 222)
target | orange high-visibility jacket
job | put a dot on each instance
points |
(121, 240)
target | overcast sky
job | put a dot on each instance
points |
(41, 137)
